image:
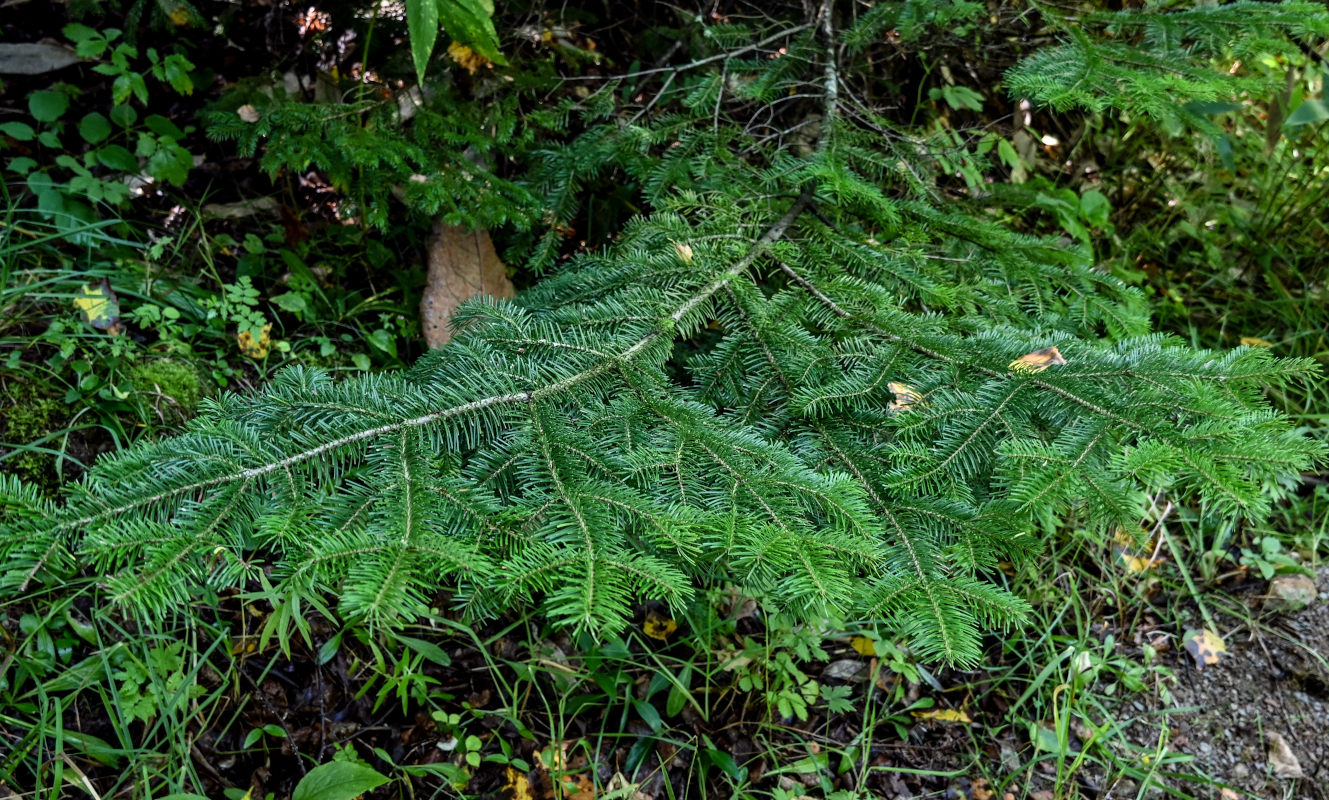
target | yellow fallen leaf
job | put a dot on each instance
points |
(1135, 559)
(1251, 341)
(179, 14)
(255, 349)
(684, 251)
(863, 646)
(100, 307)
(943, 715)
(905, 396)
(519, 785)
(658, 627)
(467, 58)
(1038, 360)
(1205, 646)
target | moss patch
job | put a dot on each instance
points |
(177, 384)
(31, 415)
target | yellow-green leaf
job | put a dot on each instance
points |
(99, 305)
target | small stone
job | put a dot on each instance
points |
(849, 669)
(1290, 593)
(1240, 772)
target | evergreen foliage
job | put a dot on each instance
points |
(799, 373)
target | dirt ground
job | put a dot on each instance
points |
(1270, 690)
(1256, 724)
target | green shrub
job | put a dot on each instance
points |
(803, 372)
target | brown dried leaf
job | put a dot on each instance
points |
(1282, 760)
(1038, 360)
(462, 265)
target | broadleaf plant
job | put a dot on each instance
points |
(469, 22)
(806, 372)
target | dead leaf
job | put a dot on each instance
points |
(462, 265)
(684, 251)
(981, 790)
(846, 669)
(1133, 558)
(863, 646)
(100, 307)
(35, 58)
(1038, 360)
(519, 785)
(180, 15)
(1227, 794)
(1282, 760)
(905, 396)
(247, 113)
(943, 715)
(255, 349)
(242, 208)
(1205, 646)
(658, 626)
(1252, 341)
(467, 58)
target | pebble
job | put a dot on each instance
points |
(1290, 593)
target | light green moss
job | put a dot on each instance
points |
(178, 380)
(31, 415)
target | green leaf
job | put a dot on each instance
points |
(337, 780)
(116, 157)
(22, 165)
(124, 116)
(422, 25)
(293, 302)
(18, 131)
(76, 32)
(328, 650)
(47, 106)
(384, 341)
(171, 163)
(1095, 208)
(94, 128)
(470, 22)
(1310, 111)
(649, 714)
(429, 650)
(163, 127)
